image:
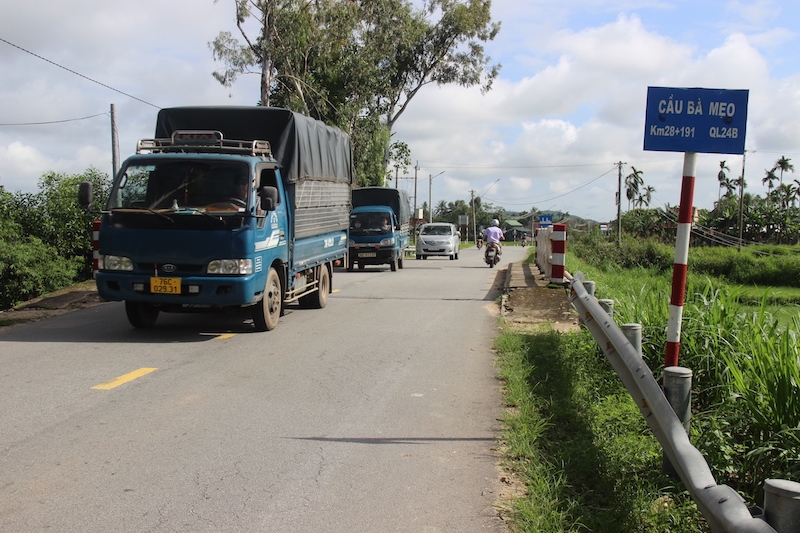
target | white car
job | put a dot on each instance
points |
(438, 238)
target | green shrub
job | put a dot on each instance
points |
(30, 268)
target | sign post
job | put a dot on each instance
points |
(691, 121)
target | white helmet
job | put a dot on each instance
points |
(495, 222)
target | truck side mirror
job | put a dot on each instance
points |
(85, 195)
(269, 198)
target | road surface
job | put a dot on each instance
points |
(378, 413)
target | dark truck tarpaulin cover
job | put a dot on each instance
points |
(304, 147)
(397, 199)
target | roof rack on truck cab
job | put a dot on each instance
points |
(203, 141)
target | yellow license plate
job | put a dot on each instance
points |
(165, 285)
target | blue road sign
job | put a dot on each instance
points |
(695, 120)
(545, 220)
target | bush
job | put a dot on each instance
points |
(29, 267)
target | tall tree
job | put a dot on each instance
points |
(347, 62)
(769, 180)
(421, 49)
(783, 164)
(722, 176)
(645, 196)
(633, 182)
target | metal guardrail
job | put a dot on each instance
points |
(723, 508)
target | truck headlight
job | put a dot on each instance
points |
(387, 242)
(230, 266)
(116, 262)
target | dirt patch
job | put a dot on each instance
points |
(56, 303)
(534, 308)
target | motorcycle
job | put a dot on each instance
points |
(480, 242)
(492, 254)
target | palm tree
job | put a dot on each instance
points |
(729, 185)
(440, 211)
(632, 183)
(722, 177)
(647, 196)
(784, 165)
(769, 180)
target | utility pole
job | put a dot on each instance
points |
(619, 203)
(474, 225)
(416, 169)
(114, 143)
(741, 202)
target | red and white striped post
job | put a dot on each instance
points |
(559, 252)
(95, 246)
(680, 267)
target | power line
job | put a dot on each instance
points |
(78, 74)
(52, 121)
(547, 199)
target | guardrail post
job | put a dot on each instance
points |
(608, 306)
(590, 287)
(678, 392)
(633, 332)
(782, 505)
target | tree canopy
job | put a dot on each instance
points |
(357, 64)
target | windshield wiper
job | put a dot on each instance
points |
(142, 208)
(195, 210)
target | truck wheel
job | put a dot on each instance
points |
(361, 266)
(267, 312)
(319, 298)
(350, 265)
(141, 315)
(400, 262)
(393, 265)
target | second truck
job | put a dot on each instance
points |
(379, 227)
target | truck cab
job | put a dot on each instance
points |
(379, 228)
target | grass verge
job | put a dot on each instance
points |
(578, 443)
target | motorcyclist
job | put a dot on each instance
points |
(494, 235)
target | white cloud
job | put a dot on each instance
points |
(569, 102)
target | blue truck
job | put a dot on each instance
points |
(226, 207)
(379, 227)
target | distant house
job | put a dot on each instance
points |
(514, 230)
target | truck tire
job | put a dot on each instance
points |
(267, 312)
(141, 315)
(393, 264)
(319, 298)
(350, 264)
(400, 261)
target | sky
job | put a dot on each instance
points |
(569, 102)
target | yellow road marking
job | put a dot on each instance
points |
(130, 376)
(226, 336)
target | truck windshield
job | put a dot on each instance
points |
(178, 185)
(370, 223)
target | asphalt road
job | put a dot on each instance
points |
(376, 414)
